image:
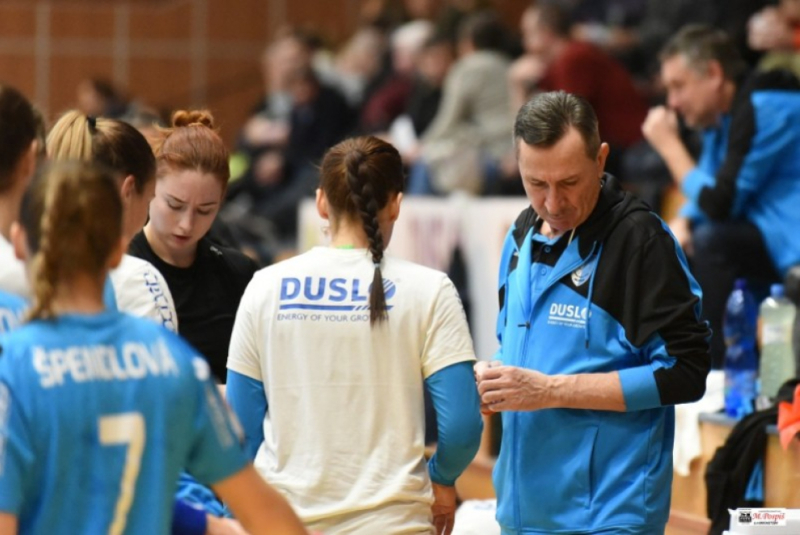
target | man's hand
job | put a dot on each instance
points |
(480, 367)
(443, 508)
(508, 388)
(660, 128)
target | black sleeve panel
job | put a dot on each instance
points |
(659, 302)
(717, 201)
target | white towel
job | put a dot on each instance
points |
(687, 426)
(476, 517)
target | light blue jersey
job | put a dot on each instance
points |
(98, 415)
(12, 310)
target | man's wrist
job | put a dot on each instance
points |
(555, 388)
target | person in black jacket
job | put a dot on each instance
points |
(206, 279)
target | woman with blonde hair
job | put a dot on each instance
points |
(100, 410)
(138, 287)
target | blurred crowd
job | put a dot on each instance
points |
(442, 80)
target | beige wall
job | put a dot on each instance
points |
(169, 53)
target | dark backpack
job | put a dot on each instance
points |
(728, 473)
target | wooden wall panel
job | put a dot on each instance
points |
(238, 21)
(72, 20)
(66, 71)
(17, 20)
(19, 70)
(169, 53)
(235, 87)
(172, 21)
(161, 82)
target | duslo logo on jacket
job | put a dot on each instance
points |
(567, 315)
(320, 297)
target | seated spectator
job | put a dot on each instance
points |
(554, 61)
(391, 99)
(462, 148)
(99, 98)
(776, 31)
(433, 64)
(742, 216)
(281, 174)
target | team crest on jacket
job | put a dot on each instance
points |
(583, 274)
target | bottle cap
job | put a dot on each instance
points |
(776, 291)
(740, 284)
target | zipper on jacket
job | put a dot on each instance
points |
(523, 363)
(516, 459)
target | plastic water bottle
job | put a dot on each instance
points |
(777, 360)
(741, 361)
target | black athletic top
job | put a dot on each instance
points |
(206, 295)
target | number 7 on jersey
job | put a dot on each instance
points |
(124, 429)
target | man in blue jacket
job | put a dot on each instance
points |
(600, 334)
(741, 217)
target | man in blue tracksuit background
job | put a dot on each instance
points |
(600, 336)
(741, 216)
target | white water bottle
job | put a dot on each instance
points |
(777, 359)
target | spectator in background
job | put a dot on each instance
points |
(610, 25)
(776, 31)
(462, 148)
(282, 174)
(98, 97)
(554, 61)
(357, 65)
(433, 64)
(391, 99)
(742, 216)
(280, 146)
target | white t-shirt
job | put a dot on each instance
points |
(140, 290)
(344, 440)
(12, 271)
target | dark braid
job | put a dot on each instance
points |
(363, 197)
(360, 176)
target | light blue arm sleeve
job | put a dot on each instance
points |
(248, 401)
(455, 398)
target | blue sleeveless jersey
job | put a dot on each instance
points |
(12, 310)
(98, 415)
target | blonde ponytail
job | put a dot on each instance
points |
(72, 215)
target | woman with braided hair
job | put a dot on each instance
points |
(100, 410)
(328, 358)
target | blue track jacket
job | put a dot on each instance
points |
(750, 165)
(617, 297)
